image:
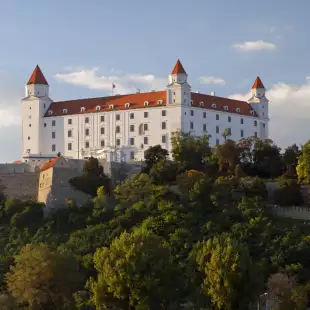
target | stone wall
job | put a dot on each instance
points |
(20, 185)
(300, 213)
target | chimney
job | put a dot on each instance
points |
(212, 93)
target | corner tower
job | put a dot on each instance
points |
(178, 90)
(34, 107)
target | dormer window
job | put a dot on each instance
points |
(146, 103)
(226, 108)
(111, 106)
(159, 102)
(127, 105)
(64, 111)
(98, 108)
(213, 105)
(252, 112)
(201, 103)
(50, 112)
(238, 110)
(82, 109)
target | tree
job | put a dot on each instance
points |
(303, 167)
(290, 158)
(288, 193)
(164, 172)
(229, 276)
(7, 302)
(228, 155)
(189, 151)
(153, 155)
(42, 277)
(136, 272)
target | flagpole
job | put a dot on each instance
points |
(112, 89)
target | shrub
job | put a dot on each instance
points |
(288, 194)
(256, 188)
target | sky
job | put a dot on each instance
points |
(83, 47)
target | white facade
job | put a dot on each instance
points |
(121, 130)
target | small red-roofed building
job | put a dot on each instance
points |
(122, 126)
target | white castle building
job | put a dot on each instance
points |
(122, 127)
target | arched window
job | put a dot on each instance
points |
(146, 103)
(160, 102)
(111, 106)
(64, 111)
(238, 110)
(213, 105)
(82, 109)
(201, 103)
(98, 108)
(226, 108)
(127, 105)
(50, 112)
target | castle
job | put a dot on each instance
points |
(121, 127)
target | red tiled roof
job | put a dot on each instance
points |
(139, 100)
(258, 83)
(178, 68)
(222, 104)
(50, 164)
(136, 101)
(37, 77)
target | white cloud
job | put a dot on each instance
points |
(211, 80)
(254, 46)
(129, 83)
(289, 112)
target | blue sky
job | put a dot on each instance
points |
(83, 46)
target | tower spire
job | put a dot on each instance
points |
(178, 68)
(37, 77)
(258, 84)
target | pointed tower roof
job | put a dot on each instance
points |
(178, 68)
(258, 83)
(37, 77)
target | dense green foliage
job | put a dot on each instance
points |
(192, 233)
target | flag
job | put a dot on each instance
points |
(113, 86)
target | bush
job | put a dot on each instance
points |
(288, 194)
(256, 188)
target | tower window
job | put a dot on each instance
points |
(163, 113)
(70, 121)
(69, 133)
(255, 134)
(87, 132)
(102, 118)
(241, 121)
(53, 123)
(255, 123)
(44, 124)
(117, 117)
(132, 116)
(69, 146)
(146, 140)
(29, 125)
(86, 120)
(28, 138)
(53, 134)
(163, 139)
(241, 133)
(191, 125)
(264, 125)
(146, 114)
(217, 129)
(118, 142)
(102, 130)
(217, 142)
(87, 145)
(102, 143)
(229, 119)
(132, 141)
(204, 115)
(118, 129)
(145, 127)
(132, 128)
(163, 125)
(204, 127)
(132, 155)
(217, 117)
(192, 113)
(53, 147)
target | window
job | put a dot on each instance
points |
(229, 119)
(132, 155)
(102, 143)
(28, 138)
(163, 125)
(111, 106)
(69, 146)
(163, 139)
(53, 123)
(204, 127)
(70, 121)
(146, 114)
(132, 128)
(132, 141)
(54, 148)
(118, 129)
(98, 108)
(44, 124)
(146, 103)
(44, 106)
(118, 142)
(69, 133)
(132, 116)
(241, 121)
(252, 112)
(201, 103)
(255, 123)
(160, 101)
(255, 134)
(238, 110)
(214, 105)
(217, 142)
(241, 133)
(87, 145)
(217, 117)
(191, 125)
(229, 131)
(87, 132)
(29, 125)
(86, 120)
(145, 127)
(204, 115)
(174, 93)
(163, 113)
(82, 109)
(264, 125)
(192, 102)
(64, 111)
(146, 140)
(53, 135)
(102, 118)
(102, 130)
(29, 116)
(192, 113)
(117, 117)
(127, 105)
(50, 112)
(217, 129)
(226, 108)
